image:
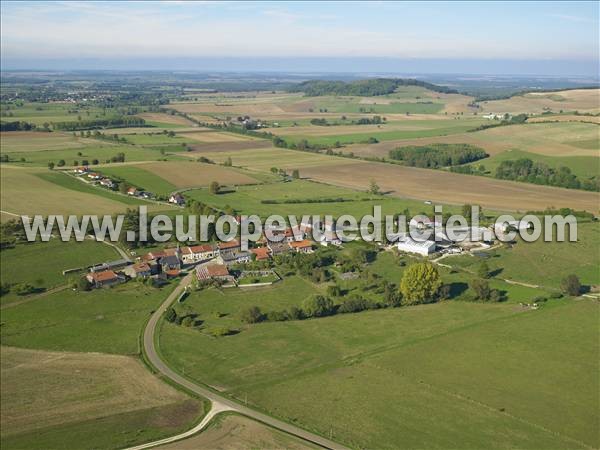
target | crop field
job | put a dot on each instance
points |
(451, 188)
(30, 141)
(41, 265)
(215, 137)
(194, 174)
(408, 182)
(50, 399)
(582, 100)
(350, 379)
(165, 120)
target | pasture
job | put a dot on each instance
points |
(102, 320)
(135, 175)
(86, 400)
(381, 386)
(42, 264)
(25, 193)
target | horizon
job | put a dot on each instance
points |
(460, 37)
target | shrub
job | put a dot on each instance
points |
(317, 306)
(23, 289)
(571, 285)
(251, 315)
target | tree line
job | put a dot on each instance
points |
(364, 88)
(437, 155)
(524, 169)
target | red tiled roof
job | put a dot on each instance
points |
(227, 245)
(301, 244)
(261, 253)
(173, 272)
(105, 275)
(217, 270)
(141, 267)
(200, 248)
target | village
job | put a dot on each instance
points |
(226, 264)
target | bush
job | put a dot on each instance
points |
(221, 331)
(23, 289)
(251, 315)
(295, 313)
(83, 284)
(277, 316)
(353, 305)
(571, 285)
(317, 306)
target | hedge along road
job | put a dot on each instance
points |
(218, 402)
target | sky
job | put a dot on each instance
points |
(553, 38)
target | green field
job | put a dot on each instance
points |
(41, 264)
(137, 176)
(448, 128)
(102, 320)
(582, 166)
(248, 200)
(70, 182)
(545, 263)
(373, 374)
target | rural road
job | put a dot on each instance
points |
(219, 402)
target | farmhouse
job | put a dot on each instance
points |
(214, 272)
(177, 199)
(422, 248)
(81, 170)
(197, 253)
(141, 269)
(232, 245)
(304, 246)
(107, 182)
(329, 237)
(94, 176)
(277, 248)
(262, 253)
(132, 191)
(234, 257)
(105, 278)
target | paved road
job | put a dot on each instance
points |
(219, 402)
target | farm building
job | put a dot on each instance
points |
(232, 245)
(105, 278)
(304, 246)
(214, 272)
(234, 257)
(422, 248)
(132, 191)
(277, 248)
(197, 253)
(177, 199)
(141, 269)
(110, 265)
(262, 253)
